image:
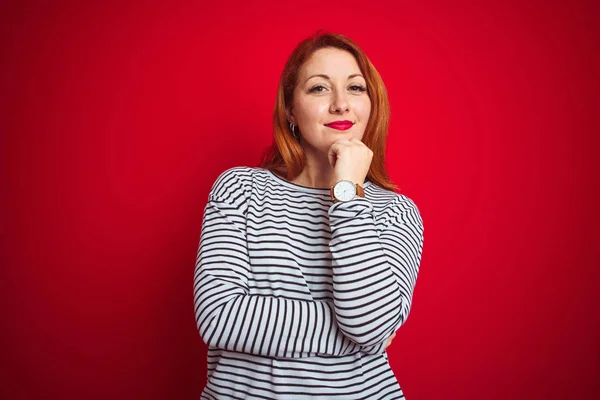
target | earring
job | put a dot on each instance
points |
(292, 127)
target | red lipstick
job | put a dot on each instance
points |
(340, 125)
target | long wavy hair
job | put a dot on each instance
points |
(285, 155)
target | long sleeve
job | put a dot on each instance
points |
(374, 273)
(229, 318)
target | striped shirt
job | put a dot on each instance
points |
(296, 296)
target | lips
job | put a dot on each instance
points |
(340, 125)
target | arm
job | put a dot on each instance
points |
(228, 317)
(374, 274)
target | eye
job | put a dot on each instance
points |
(358, 88)
(314, 89)
(354, 88)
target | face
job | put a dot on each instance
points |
(330, 88)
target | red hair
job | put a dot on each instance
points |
(285, 155)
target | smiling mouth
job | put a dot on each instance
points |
(340, 126)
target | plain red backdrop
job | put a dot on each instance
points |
(116, 117)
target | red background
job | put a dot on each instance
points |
(117, 117)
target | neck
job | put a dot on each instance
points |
(317, 172)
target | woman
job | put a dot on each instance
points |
(307, 265)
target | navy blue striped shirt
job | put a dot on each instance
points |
(296, 296)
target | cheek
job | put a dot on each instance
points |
(315, 107)
(364, 110)
(314, 111)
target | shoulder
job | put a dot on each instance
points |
(396, 206)
(406, 210)
(229, 178)
(233, 183)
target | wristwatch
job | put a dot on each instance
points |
(346, 191)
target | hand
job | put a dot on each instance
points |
(390, 340)
(351, 160)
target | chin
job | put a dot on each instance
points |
(344, 135)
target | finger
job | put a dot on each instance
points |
(335, 148)
(332, 154)
(339, 144)
(332, 157)
(358, 143)
(343, 142)
(391, 338)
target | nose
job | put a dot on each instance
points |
(339, 103)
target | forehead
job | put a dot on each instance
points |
(330, 61)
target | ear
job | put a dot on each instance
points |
(289, 115)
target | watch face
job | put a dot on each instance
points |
(344, 190)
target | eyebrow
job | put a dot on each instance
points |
(327, 77)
